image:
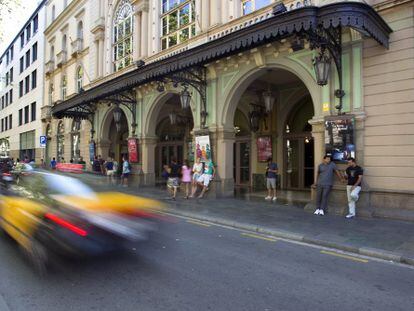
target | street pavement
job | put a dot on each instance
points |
(194, 265)
(381, 238)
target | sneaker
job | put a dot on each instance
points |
(268, 198)
(317, 212)
(274, 198)
(321, 212)
(349, 216)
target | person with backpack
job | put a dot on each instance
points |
(126, 171)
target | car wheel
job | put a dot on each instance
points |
(38, 256)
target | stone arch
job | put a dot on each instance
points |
(105, 125)
(154, 108)
(246, 77)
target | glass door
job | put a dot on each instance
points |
(242, 163)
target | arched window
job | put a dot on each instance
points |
(79, 79)
(53, 13)
(64, 87)
(60, 141)
(64, 43)
(122, 33)
(76, 140)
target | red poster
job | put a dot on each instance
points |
(133, 150)
(264, 148)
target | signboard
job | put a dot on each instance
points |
(92, 151)
(202, 148)
(133, 150)
(43, 141)
(339, 137)
(70, 168)
(264, 148)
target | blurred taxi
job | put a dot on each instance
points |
(47, 212)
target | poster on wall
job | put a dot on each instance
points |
(339, 137)
(202, 148)
(264, 148)
(92, 151)
(133, 150)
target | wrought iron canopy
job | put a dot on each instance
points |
(305, 21)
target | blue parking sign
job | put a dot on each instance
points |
(43, 141)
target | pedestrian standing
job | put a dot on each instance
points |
(53, 164)
(186, 177)
(324, 182)
(354, 174)
(271, 179)
(173, 179)
(126, 170)
(197, 171)
(102, 165)
(109, 166)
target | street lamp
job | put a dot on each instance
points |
(269, 100)
(185, 98)
(322, 67)
(117, 118)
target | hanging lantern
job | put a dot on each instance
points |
(117, 118)
(269, 100)
(185, 98)
(254, 121)
(322, 67)
(173, 117)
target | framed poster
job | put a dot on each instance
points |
(133, 150)
(264, 148)
(202, 148)
(339, 137)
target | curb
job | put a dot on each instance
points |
(365, 251)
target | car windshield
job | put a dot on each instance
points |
(63, 185)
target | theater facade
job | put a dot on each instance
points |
(292, 80)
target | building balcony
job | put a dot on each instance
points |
(77, 47)
(61, 58)
(46, 113)
(50, 66)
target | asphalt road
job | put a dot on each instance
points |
(195, 266)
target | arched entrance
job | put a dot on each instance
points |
(174, 126)
(298, 148)
(273, 99)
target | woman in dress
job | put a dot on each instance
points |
(197, 171)
(186, 177)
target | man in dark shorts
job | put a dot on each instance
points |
(324, 183)
(173, 178)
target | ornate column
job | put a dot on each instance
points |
(224, 156)
(148, 145)
(205, 15)
(137, 36)
(144, 31)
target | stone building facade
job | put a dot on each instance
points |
(234, 57)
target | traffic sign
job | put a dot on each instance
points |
(43, 141)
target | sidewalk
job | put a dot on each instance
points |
(381, 238)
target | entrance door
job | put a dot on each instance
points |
(167, 151)
(242, 163)
(299, 161)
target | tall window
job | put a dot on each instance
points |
(22, 40)
(34, 52)
(26, 114)
(27, 84)
(79, 79)
(80, 30)
(178, 22)
(21, 64)
(11, 96)
(60, 140)
(52, 52)
(28, 58)
(53, 13)
(64, 43)
(50, 93)
(64, 86)
(33, 111)
(21, 88)
(10, 121)
(35, 23)
(34, 79)
(28, 32)
(248, 6)
(20, 117)
(122, 34)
